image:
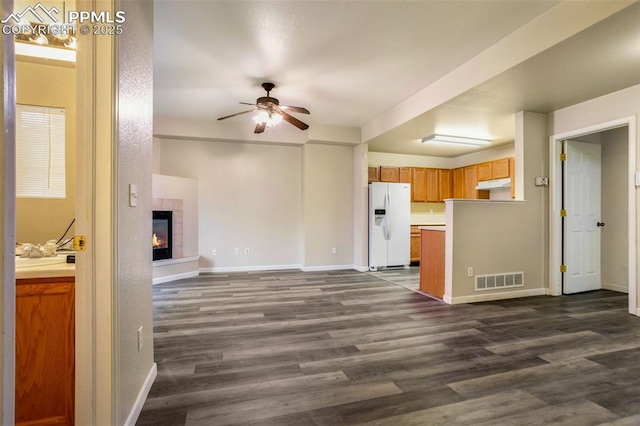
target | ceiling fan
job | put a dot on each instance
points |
(270, 112)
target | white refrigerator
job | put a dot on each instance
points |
(389, 224)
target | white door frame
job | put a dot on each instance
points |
(7, 227)
(555, 204)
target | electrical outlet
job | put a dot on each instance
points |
(214, 252)
(246, 250)
(237, 251)
(140, 339)
(542, 181)
(334, 250)
(469, 271)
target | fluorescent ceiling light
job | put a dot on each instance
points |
(457, 140)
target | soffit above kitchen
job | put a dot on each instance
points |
(348, 62)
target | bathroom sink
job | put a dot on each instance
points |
(31, 262)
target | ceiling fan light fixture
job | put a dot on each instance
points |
(271, 119)
(456, 140)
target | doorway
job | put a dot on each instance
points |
(615, 252)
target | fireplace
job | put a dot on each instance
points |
(162, 234)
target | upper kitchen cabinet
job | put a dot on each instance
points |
(445, 182)
(433, 186)
(458, 182)
(497, 169)
(470, 183)
(419, 184)
(405, 174)
(389, 174)
(374, 174)
(484, 171)
(501, 168)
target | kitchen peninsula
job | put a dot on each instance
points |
(478, 255)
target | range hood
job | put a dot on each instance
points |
(494, 184)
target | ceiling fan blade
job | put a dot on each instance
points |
(246, 103)
(260, 127)
(238, 113)
(291, 119)
(295, 109)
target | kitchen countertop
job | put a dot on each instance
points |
(433, 228)
(44, 267)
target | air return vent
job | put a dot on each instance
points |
(498, 281)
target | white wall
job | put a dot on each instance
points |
(405, 160)
(615, 197)
(328, 205)
(249, 196)
(134, 153)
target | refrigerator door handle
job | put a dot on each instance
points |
(386, 216)
(389, 218)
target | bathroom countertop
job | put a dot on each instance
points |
(44, 267)
(433, 228)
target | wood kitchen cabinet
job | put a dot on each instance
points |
(470, 183)
(458, 182)
(433, 186)
(497, 169)
(405, 174)
(45, 351)
(415, 245)
(445, 183)
(389, 174)
(374, 174)
(436, 185)
(419, 184)
(432, 252)
(483, 171)
(501, 169)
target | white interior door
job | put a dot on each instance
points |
(582, 222)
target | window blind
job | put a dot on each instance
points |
(40, 152)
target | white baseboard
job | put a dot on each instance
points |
(249, 268)
(615, 287)
(132, 418)
(361, 268)
(175, 277)
(488, 297)
(327, 268)
(176, 261)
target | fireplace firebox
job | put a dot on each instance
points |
(162, 234)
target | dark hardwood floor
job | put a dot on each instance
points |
(333, 348)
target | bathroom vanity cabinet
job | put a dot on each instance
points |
(45, 351)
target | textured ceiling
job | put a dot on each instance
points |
(350, 62)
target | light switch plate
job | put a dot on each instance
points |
(133, 195)
(637, 178)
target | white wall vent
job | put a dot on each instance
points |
(498, 281)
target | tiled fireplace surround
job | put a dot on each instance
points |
(174, 205)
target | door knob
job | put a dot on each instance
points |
(600, 224)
